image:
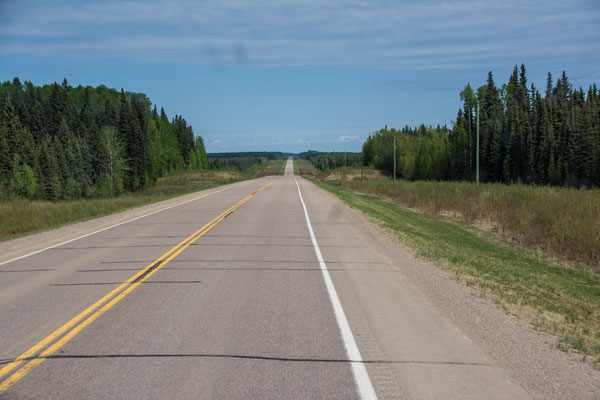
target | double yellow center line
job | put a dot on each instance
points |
(49, 345)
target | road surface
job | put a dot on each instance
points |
(261, 289)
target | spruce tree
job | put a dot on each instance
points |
(5, 155)
(585, 158)
(203, 156)
(512, 135)
(36, 123)
(18, 138)
(89, 132)
(87, 123)
(141, 131)
(491, 128)
(549, 85)
(110, 115)
(128, 135)
(49, 180)
(56, 109)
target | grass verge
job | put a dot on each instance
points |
(557, 297)
(282, 168)
(22, 217)
(304, 168)
(273, 167)
(564, 222)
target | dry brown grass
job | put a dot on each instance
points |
(561, 221)
(305, 168)
(273, 167)
(354, 174)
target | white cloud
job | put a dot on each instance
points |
(301, 141)
(397, 34)
(346, 138)
(216, 142)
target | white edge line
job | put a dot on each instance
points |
(113, 226)
(361, 377)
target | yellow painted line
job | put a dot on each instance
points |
(33, 350)
(80, 322)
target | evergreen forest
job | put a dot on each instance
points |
(525, 136)
(59, 142)
(248, 162)
(331, 160)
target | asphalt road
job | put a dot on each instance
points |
(228, 296)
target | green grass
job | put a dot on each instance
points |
(295, 164)
(22, 217)
(557, 297)
(282, 168)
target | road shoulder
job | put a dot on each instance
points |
(529, 357)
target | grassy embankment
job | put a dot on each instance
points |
(20, 217)
(533, 250)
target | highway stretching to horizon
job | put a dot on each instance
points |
(267, 288)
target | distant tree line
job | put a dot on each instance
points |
(248, 161)
(64, 142)
(331, 160)
(525, 136)
(238, 163)
(269, 155)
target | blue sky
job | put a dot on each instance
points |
(292, 76)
